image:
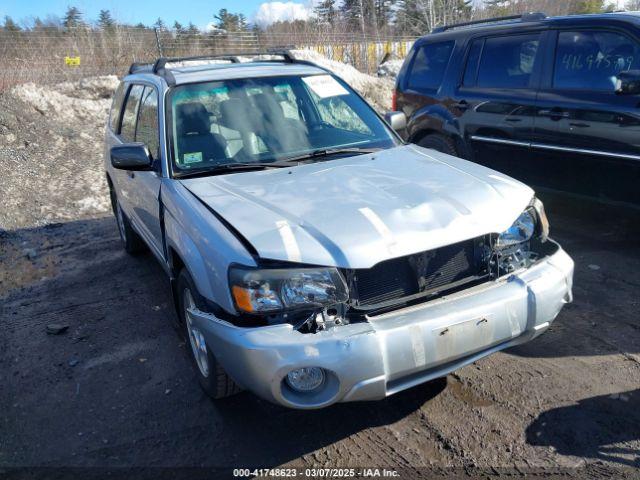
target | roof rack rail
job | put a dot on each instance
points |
(140, 67)
(159, 66)
(525, 17)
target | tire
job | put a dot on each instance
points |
(130, 239)
(211, 375)
(441, 143)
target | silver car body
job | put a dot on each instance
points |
(349, 213)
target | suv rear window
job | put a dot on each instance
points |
(507, 62)
(429, 65)
(591, 60)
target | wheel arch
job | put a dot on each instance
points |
(435, 119)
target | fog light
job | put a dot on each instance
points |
(305, 379)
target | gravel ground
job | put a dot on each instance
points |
(51, 140)
(117, 388)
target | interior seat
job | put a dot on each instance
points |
(279, 133)
(196, 143)
(235, 115)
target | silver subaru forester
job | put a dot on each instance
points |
(314, 256)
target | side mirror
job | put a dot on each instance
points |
(131, 156)
(396, 120)
(628, 83)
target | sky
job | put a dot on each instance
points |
(200, 12)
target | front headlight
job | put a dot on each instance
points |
(532, 221)
(274, 290)
(521, 230)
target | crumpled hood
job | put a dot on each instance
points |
(355, 212)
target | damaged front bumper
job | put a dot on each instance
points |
(394, 351)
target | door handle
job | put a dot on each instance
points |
(554, 113)
(131, 174)
(461, 105)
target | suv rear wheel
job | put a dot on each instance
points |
(211, 375)
(441, 143)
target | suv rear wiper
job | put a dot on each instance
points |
(325, 152)
(229, 167)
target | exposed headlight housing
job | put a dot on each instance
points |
(520, 231)
(532, 221)
(267, 291)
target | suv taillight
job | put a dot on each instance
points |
(394, 101)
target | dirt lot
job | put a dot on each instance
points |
(117, 389)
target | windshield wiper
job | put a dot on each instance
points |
(326, 152)
(229, 167)
(283, 163)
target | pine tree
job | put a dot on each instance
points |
(231, 22)
(177, 26)
(160, 25)
(73, 18)
(10, 25)
(243, 26)
(352, 12)
(325, 12)
(106, 21)
(192, 30)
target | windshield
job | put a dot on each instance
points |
(266, 120)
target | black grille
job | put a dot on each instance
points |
(423, 272)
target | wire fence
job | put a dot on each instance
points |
(52, 55)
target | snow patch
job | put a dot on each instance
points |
(390, 69)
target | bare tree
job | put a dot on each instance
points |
(632, 5)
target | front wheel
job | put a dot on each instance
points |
(441, 143)
(211, 375)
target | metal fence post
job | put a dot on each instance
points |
(158, 44)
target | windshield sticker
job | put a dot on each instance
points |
(325, 86)
(193, 157)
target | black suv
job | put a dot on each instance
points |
(554, 102)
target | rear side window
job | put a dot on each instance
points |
(507, 62)
(116, 107)
(429, 65)
(128, 128)
(147, 128)
(591, 60)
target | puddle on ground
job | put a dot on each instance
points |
(465, 393)
(22, 266)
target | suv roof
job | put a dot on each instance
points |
(180, 70)
(526, 20)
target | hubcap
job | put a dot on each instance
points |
(120, 221)
(196, 339)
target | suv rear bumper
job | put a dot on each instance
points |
(398, 350)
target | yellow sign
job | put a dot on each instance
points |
(72, 61)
